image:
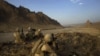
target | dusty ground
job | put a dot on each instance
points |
(91, 31)
(78, 41)
(4, 37)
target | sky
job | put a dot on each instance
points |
(64, 11)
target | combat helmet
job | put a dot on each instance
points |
(38, 32)
(48, 38)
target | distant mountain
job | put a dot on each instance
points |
(92, 24)
(11, 17)
(87, 24)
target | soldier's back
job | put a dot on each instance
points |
(17, 37)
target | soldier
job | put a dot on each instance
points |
(22, 34)
(38, 34)
(45, 46)
(17, 36)
(30, 34)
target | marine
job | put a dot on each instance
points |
(17, 36)
(29, 36)
(45, 46)
(38, 34)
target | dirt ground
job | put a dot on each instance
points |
(71, 41)
(5, 37)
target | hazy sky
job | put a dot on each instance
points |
(64, 11)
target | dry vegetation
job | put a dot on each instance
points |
(81, 44)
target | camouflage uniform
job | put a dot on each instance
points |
(22, 35)
(17, 36)
(30, 34)
(38, 34)
(45, 47)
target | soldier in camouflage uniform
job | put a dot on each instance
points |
(45, 46)
(30, 34)
(38, 34)
(22, 34)
(17, 36)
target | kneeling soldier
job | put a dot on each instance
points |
(45, 46)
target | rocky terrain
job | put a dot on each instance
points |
(12, 17)
(79, 44)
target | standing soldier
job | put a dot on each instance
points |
(45, 46)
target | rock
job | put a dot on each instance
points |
(12, 17)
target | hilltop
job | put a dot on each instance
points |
(12, 17)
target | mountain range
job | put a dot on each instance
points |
(12, 17)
